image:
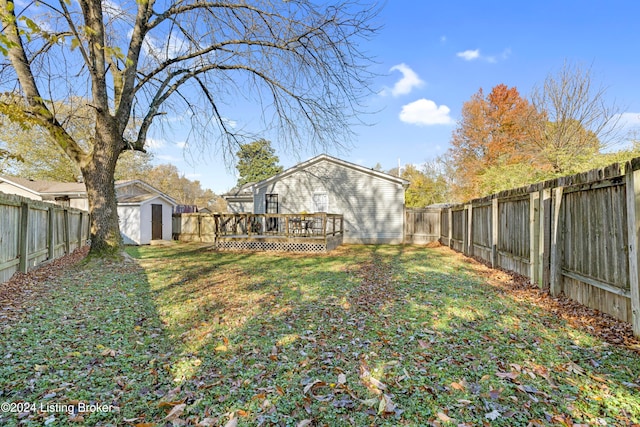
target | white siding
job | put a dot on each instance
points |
(81, 203)
(7, 188)
(239, 207)
(373, 207)
(129, 219)
(145, 220)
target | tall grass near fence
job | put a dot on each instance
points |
(33, 232)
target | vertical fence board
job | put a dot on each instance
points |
(32, 233)
(632, 179)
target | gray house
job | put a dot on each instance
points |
(371, 202)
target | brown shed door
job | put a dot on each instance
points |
(156, 222)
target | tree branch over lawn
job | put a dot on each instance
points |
(132, 61)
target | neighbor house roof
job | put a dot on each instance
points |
(242, 192)
(42, 187)
(327, 158)
(78, 189)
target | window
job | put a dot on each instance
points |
(320, 202)
(271, 207)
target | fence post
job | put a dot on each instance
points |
(555, 263)
(79, 230)
(544, 238)
(494, 232)
(632, 181)
(51, 235)
(534, 235)
(67, 232)
(450, 231)
(24, 238)
(468, 247)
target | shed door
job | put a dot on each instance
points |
(156, 222)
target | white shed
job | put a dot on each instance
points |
(371, 202)
(144, 213)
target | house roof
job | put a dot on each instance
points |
(327, 158)
(54, 188)
(153, 192)
(244, 191)
(46, 187)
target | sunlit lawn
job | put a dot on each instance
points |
(365, 335)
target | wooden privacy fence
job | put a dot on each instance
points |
(577, 235)
(33, 232)
(421, 225)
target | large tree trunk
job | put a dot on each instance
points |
(98, 177)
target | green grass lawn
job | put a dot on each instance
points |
(365, 335)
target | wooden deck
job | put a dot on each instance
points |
(319, 232)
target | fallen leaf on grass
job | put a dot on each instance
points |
(493, 415)
(304, 423)
(386, 405)
(176, 412)
(507, 375)
(233, 422)
(444, 417)
(462, 385)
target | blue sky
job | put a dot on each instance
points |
(433, 56)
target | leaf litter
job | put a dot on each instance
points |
(362, 336)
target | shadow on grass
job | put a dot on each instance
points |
(364, 335)
(94, 338)
(268, 336)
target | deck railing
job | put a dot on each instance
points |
(278, 225)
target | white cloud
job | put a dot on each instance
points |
(168, 158)
(406, 84)
(155, 144)
(472, 55)
(111, 8)
(469, 55)
(181, 144)
(425, 112)
(161, 50)
(629, 119)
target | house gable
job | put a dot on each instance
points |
(371, 202)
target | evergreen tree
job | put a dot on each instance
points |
(257, 161)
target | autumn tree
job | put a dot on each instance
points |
(35, 155)
(579, 119)
(257, 160)
(168, 179)
(131, 62)
(494, 131)
(427, 185)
